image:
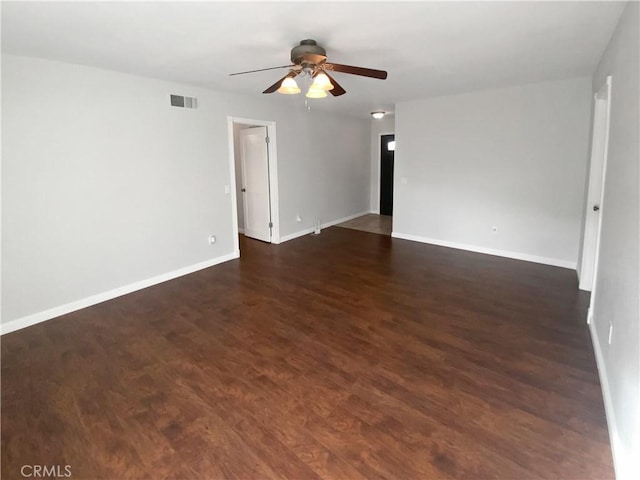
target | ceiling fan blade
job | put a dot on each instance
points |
(337, 90)
(276, 85)
(261, 70)
(362, 71)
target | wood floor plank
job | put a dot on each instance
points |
(373, 223)
(343, 355)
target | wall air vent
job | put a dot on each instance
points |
(184, 102)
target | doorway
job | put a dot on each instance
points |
(387, 150)
(254, 179)
(595, 192)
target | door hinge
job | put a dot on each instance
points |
(266, 139)
(270, 224)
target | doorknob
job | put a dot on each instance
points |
(596, 208)
(243, 190)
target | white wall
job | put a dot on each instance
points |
(326, 169)
(105, 185)
(387, 124)
(514, 158)
(618, 283)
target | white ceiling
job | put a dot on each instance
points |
(428, 48)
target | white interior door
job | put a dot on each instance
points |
(595, 195)
(255, 183)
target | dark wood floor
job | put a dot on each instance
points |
(346, 355)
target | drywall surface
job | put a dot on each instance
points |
(512, 158)
(617, 284)
(105, 184)
(383, 126)
(324, 165)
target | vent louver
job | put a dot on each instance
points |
(184, 102)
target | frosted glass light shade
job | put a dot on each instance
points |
(377, 115)
(289, 86)
(322, 81)
(316, 92)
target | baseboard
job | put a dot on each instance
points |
(488, 251)
(308, 231)
(623, 466)
(345, 219)
(301, 233)
(241, 230)
(45, 315)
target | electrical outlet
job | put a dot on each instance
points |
(212, 239)
(298, 218)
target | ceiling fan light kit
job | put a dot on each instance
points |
(310, 59)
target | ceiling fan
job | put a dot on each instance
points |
(310, 59)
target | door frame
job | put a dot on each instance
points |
(379, 164)
(598, 163)
(273, 175)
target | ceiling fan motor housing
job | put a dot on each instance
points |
(306, 47)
